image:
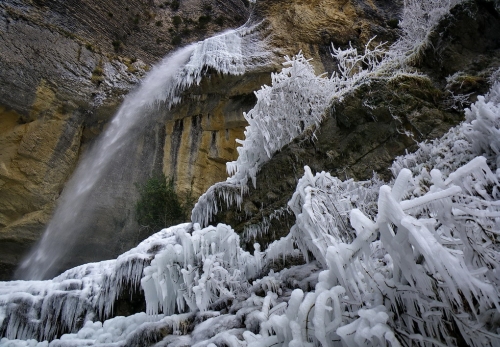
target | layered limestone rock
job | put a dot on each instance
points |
(313, 26)
(35, 161)
(201, 137)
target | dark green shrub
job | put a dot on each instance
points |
(219, 21)
(176, 21)
(393, 23)
(117, 46)
(159, 206)
(176, 40)
(174, 5)
(203, 21)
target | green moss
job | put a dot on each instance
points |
(467, 82)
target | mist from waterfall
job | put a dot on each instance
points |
(163, 84)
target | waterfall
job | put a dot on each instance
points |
(163, 84)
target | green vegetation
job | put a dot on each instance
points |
(203, 21)
(117, 46)
(176, 21)
(393, 23)
(137, 19)
(129, 63)
(219, 21)
(174, 5)
(98, 74)
(176, 40)
(159, 206)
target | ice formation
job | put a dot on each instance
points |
(410, 262)
(44, 309)
(201, 268)
(295, 101)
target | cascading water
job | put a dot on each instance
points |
(163, 84)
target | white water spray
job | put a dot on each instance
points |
(164, 83)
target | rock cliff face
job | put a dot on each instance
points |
(64, 68)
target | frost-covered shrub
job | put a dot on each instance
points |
(197, 270)
(418, 20)
(419, 283)
(322, 204)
